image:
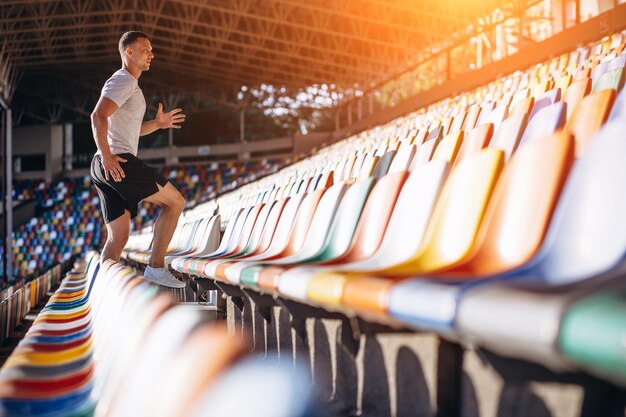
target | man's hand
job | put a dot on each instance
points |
(111, 167)
(169, 119)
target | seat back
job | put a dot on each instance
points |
(618, 111)
(546, 99)
(456, 125)
(347, 169)
(304, 185)
(513, 229)
(575, 93)
(383, 164)
(270, 227)
(326, 180)
(545, 122)
(617, 62)
(599, 71)
(508, 135)
(411, 213)
(520, 95)
(522, 107)
(447, 123)
(344, 221)
(313, 183)
(497, 116)
(257, 230)
(211, 238)
(247, 229)
(486, 110)
(367, 168)
(449, 147)
(281, 235)
(471, 117)
(402, 160)
(313, 222)
(564, 82)
(203, 234)
(419, 137)
(610, 80)
(236, 234)
(454, 225)
(424, 153)
(375, 217)
(229, 231)
(356, 167)
(475, 140)
(435, 133)
(588, 233)
(588, 116)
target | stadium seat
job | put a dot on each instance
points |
(507, 136)
(592, 330)
(425, 152)
(545, 122)
(588, 116)
(308, 234)
(337, 237)
(280, 238)
(361, 244)
(546, 99)
(575, 93)
(511, 233)
(448, 239)
(383, 164)
(585, 242)
(475, 140)
(613, 79)
(403, 159)
(448, 147)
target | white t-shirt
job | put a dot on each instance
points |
(125, 123)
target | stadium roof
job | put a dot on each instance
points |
(61, 51)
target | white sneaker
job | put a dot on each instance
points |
(162, 276)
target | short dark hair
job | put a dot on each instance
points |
(130, 37)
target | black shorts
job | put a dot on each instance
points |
(140, 182)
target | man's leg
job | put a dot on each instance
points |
(172, 204)
(117, 236)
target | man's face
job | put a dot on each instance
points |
(142, 53)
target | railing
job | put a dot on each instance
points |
(588, 31)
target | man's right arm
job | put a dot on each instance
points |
(100, 126)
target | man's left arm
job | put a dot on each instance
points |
(163, 120)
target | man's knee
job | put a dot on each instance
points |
(117, 240)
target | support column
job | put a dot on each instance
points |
(7, 188)
(244, 155)
(349, 113)
(242, 125)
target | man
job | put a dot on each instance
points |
(123, 180)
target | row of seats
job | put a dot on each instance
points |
(493, 218)
(172, 362)
(19, 299)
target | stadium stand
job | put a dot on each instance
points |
(495, 222)
(493, 219)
